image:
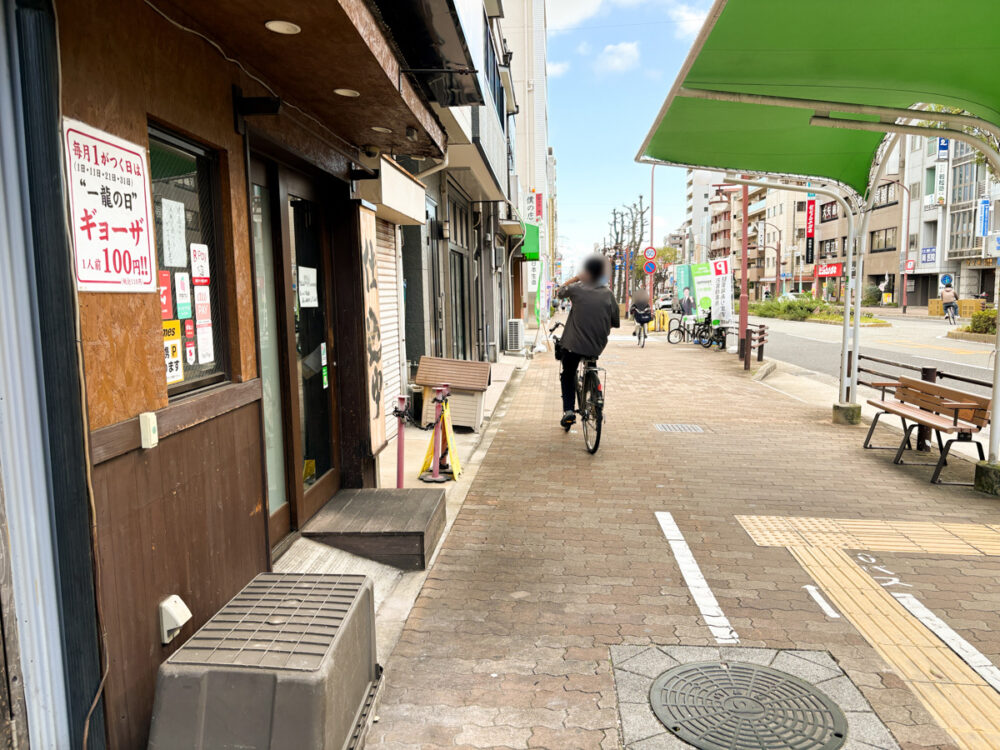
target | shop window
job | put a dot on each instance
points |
(192, 300)
(828, 211)
(963, 182)
(885, 195)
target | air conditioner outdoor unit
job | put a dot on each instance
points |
(515, 334)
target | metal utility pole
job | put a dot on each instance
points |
(652, 236)
(744, 248)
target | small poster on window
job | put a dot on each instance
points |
(201, 274)
(174, 229)
(206, 347)
(110, 211)
(202, 304)
(182, 291)
(172, 351)
(166, 304)
(308, 293)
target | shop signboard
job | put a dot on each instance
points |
(928, 255)
(810, 231)
(110, 211)
(829, 270)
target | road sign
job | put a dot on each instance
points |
(649, 267)
(649, 252)
(983, 223)
(946, 279)
(911, 266)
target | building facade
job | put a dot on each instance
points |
(266, 220)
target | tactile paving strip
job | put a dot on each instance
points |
(739, 706)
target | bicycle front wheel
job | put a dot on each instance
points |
(642, 336)
(675, 335)
(593, 413)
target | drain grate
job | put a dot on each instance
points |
(678, 428)
(737, 706)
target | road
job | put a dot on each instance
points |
(919, 341)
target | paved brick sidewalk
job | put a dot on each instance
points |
(556, 556)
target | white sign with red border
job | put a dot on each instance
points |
(110, 211)
(911, 266)
(649, 252)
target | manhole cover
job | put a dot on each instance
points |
(735, 706)
(678, 428)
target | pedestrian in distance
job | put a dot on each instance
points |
(592, 315)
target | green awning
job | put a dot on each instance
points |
(886, 53)
(530, 246)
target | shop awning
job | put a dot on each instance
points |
(888, 54)
(530, 247)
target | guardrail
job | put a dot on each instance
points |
(753, 341)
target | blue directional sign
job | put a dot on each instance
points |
(946, 279)
(942, 149)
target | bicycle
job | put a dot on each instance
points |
(589, 396)
(717, 337)
(640, 334)
(950, 314)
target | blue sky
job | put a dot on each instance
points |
(611, 64)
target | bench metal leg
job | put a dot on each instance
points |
(942, 462)
(941, 449)
(871, 432)
(904, 443)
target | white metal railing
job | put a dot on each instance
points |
(488, 133)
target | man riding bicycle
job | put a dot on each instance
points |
(950, 300)
(640, 310)
(593, 314)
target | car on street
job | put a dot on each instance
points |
(664, 302)
(790, 296)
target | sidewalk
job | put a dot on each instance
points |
(556, 564)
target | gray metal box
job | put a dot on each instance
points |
(288, 663)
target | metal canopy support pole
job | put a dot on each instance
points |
(844, 376)
(992, 156)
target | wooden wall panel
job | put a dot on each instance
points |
(185, 518)
(153, 72)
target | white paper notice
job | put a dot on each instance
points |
(200, 271)
(206, 347)
(110, 211)
(308, 294)
(174, 224)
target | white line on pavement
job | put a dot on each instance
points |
(965, 650)
(823, 603)
(717, 622)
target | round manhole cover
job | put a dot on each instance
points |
(736, 706)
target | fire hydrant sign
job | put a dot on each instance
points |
(110, 211)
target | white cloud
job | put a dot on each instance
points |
(556, 69)
(689, 19)
(618, 58)
(583, 48)
(561, 14)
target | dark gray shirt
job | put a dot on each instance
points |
(591, 319)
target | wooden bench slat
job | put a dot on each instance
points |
(942, 424)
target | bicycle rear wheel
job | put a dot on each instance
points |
(675, 335)
(593, 412)
(642, 336)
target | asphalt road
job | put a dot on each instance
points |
(918, 342)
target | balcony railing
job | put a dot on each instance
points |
(487, 133)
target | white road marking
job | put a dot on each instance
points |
(965, 650)
(709, 607)
(824, 605)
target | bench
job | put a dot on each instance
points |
(946, 411)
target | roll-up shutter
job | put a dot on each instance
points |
(389, 314)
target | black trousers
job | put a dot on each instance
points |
(567, 378)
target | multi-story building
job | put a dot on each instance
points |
(697, 224)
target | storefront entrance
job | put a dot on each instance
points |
(295, 309)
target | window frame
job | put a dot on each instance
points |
(220, 322)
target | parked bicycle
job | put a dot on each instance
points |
(589, 397)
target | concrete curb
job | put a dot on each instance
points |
(766, 369)
(983, 338)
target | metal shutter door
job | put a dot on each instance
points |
(389, 314)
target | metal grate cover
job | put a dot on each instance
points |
(678, 428)
(738, 706)
(279, 621)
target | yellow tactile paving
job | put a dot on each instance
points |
(876, 536)
(958, 698)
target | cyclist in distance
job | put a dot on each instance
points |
(593, 314)
(950, 300)
(639, 309)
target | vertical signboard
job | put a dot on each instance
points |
(722, 292)
(810, 231)
(942, 150)
(940, 183)
(110, 211)
(983, 218)
(684, 289)
(373, 331)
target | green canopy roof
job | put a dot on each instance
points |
(887, 53)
